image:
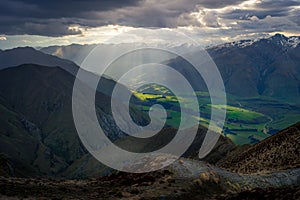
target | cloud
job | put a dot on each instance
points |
(253, 16)
(272, 24)
(165, 13)
(53, 18)
(60, 8)
(48, 28)
(2, 38)
(204, 13)
(221, 18)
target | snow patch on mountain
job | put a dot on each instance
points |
(278, 39)
(293, 42)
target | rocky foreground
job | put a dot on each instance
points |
(144, 187)
(184, 179)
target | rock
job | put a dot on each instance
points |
(197, 182)
(125, 194)
(204, 177)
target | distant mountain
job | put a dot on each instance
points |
(278, 39)
(278, 152)
(28, 55)
(73, 52)
(267, 67)
(77, 53)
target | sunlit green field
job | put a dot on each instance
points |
(244, 124)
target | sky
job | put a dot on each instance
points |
(41, 23)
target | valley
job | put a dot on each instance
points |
(150, 100)
(42, 156)
(248, 121)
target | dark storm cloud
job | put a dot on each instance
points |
(163, 13)
(52, 18)
(166, 13)
(59, 8)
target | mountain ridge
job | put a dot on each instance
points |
(280, 39)
(278, 152)
(271, 69)
(29, 55)
(268, 61)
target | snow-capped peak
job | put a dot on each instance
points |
(289, 42)
(293, 42)
(279, 39)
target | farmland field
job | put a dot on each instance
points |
(248, 121)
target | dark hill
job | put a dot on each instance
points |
(38, 135)
(278, 152)
(28, 55)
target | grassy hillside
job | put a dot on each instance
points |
(278, 152)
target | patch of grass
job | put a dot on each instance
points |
(241, 114)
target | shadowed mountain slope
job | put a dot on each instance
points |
(28, 55)
(38, 135)
(265, 67)
(278, 152)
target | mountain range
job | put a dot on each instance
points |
(41, 150)
(259, 65)
(267, 67)
(38, 136)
